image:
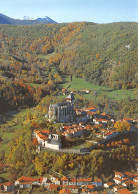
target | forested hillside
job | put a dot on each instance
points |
(104, 54)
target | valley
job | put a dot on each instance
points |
(40, 66)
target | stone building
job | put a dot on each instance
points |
(62, 112)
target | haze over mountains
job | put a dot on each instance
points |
(25, 20)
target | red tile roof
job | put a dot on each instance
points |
(128, 182)
(119, 174)
(64, 178)
(73, 180)
(90, 186)
(54, 187)
(44, 137)
(97, 180)
(129, 174)
(135, 178)
(70, 186)
(118, 179)
(7, 184)
(124, 191)
(28, 179)
(84, 180)
(25, 183)
(109, 183)
(45, 131)
(65, 191)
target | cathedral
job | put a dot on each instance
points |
(62, 112)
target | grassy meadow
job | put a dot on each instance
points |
(80, 83)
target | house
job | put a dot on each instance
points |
(6, 187)
(53, 177)
(53, 187)
(25, 185)
(84, 181)
(91, 109)
(108, 185)
(135, 184)
(27, 182)
(90, 115)
(119, 175)
(124, 191)
(90, 188)
(80, 181)
(97, 182)
(72, 188)
(130, 175)
(128, 120)
(65, 180)
(117, 180)
(86, 91)
(97, 121)
(116, 188)
(73, 182)
(135, 179)
(128, 184)
(57, 181)
(44, 181)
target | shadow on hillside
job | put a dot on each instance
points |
(7, 116)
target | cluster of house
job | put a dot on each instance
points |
(52, 184)
(22, 183)
(83, 122)
(75, 130)
(122, 183)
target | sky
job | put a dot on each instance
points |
(99, 11)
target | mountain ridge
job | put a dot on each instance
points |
(7, 20)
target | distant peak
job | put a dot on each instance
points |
(25, 20)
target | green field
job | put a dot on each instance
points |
(80, 83)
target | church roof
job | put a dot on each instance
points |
(60, 104)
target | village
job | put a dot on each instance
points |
(122, 183)
(77, 123)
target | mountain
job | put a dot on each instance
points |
(46, 19)
(7, 20)
(104, 54)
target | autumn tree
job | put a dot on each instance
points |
(122, 126)
(35, 142)
(126, 141)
